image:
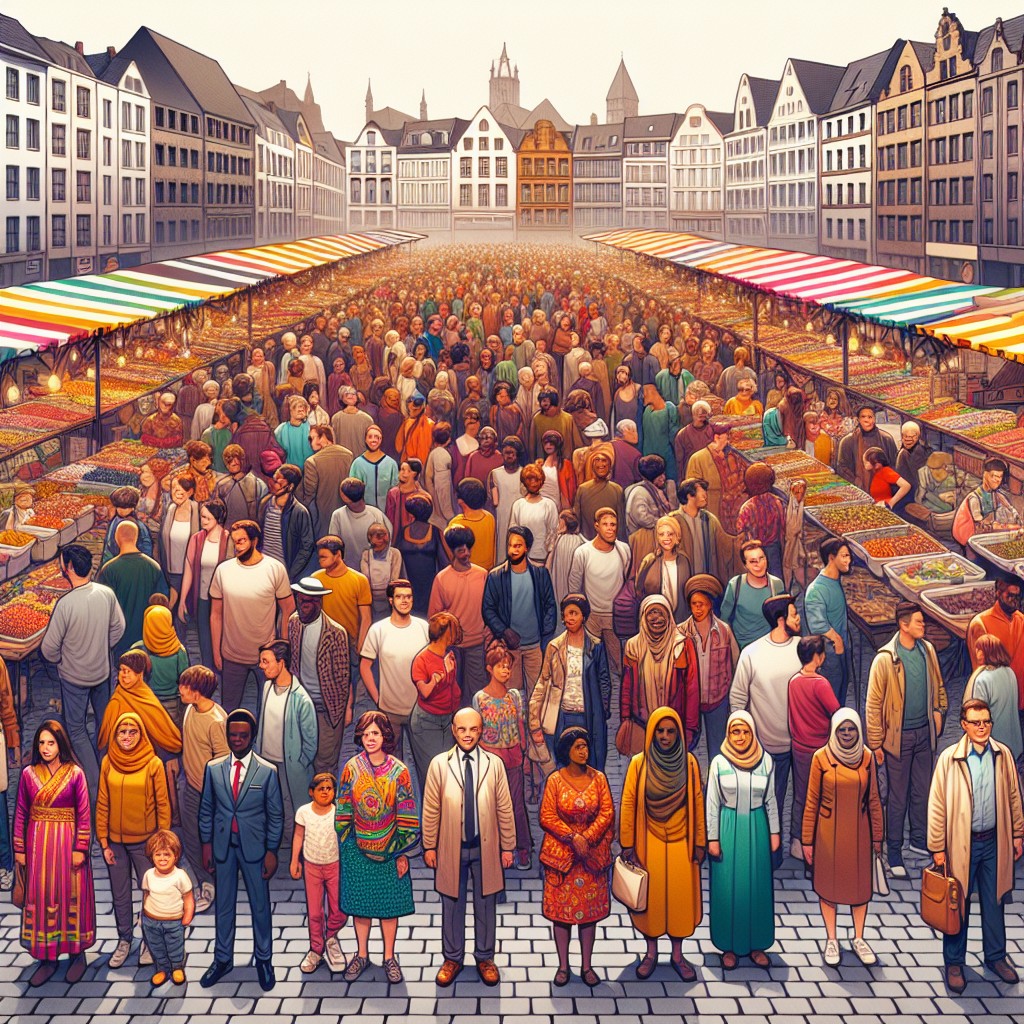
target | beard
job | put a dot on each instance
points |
(517, 559)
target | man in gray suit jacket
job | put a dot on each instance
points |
(322, 474)
(240, 823)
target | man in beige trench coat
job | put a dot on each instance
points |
(468, 828)
(976, 827)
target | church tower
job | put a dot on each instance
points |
(423, 106)
(504, 82)
(622, 97)
(369, 101)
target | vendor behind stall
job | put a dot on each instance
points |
(986, 509)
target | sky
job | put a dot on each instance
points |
(678, 52)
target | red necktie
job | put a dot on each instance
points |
(236, 784)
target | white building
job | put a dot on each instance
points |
(275, 173)
(370, 164)
(845, 155)
(645, 169)
(425, 174)
(696, 165)
(597, 176)
(25, 70)
(295, 123)
(805, 93)
(484, 176)
(329, 183)
(746, 162)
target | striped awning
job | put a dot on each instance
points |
(893, 298)
(47, 314)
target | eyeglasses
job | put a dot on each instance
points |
(979, 723)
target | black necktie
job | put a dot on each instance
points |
(470, 798)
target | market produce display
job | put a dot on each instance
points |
(921, 574)
(1009, 550)
(912, 543)
(20, 620)
(15, 538)
(873, 602)
(835, 494)
(968, 601)
(851, 518)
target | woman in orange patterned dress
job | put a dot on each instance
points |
(577, 816)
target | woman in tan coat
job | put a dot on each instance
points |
(842, 823)
(661, 828)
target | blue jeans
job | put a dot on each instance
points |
(166, 941)
(982, 876)
(75, 701)
(836, 670)
(6, 850)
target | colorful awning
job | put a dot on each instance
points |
(47, 314)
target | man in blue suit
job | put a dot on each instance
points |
(241, 818)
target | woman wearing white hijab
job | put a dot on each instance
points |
(842, 823)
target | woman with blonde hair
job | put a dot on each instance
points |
(666, 569)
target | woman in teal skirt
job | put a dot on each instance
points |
(377, 825)
(743, 832)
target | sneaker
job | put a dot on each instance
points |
(392, 971)
(832, 955)
(865, 954)
(311, 962)
(205, 898)
(336, 959)
(120, 954)
(145, 957)
(522, 861)
(898, 870)
(6, 880)
(918, 851)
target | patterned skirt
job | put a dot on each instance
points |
(578, 897)
(371, 888)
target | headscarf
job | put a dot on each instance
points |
(655, 654)
(158, 632)
(390, 399)
(130, 761)
(752, 756)
(665, 771)
(850, 758)
(702, 583)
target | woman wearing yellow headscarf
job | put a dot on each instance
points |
(661, 827)
(168, 657)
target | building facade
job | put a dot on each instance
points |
(597, 177)
(645, 170)
(275, 173)
(371, 163)
(425, 174)
(329, 185)
(746, 162)
(484, 177)
(544, 192)
(696, 159)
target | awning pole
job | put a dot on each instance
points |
(97, 429)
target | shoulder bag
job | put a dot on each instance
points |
(629, 885)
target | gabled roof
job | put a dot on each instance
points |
(818, 82)
(722, 120)
(762, 92)
(545, 111)
(452, 127)
(66, 56)
(599, 136)
(865, 79)
(925, 53)
(15, 36)
(295, 125)
(328, 147)
(200, 76)
(651, 126)
(515, 135)
(264, 117)
(106, 68)
(622, 87)
(1013, 34)
(390, 119)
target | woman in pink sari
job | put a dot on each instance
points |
(51, 842)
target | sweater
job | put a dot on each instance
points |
(84, 624)
(760, 686)
(130, 808)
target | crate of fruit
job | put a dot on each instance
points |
(834, 495)
(47, 542)
(1004, 548)
(66, 528)
(911, 576)
(22, 622)
(956, 606)
(846, 519)
(876, 547)
(17, 545)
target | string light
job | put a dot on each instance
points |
(854, 344)
(830, 339)
(90, 373)
(877, 350)
(53, 383)
(121, 360)
(13, 394)
(810, 327)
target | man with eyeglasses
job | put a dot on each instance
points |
(976, 828)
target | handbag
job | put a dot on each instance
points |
(942, 901)
(18, 892)
(629, 739)
(879, 883)
(629, 885)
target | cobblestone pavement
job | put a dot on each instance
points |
(905, 987)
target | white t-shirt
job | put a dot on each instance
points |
(181, 531)
(394, 648)
(599, 574)
(273, 724)
(320, 840)
(541, 518)
(163, 896)
(250, 594)
(209, 559)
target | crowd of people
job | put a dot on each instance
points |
(499, 495)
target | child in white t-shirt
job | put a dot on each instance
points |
(316, 839)
(168, 907)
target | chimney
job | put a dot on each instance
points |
(111, 52)
(593, 119)
(80, 47)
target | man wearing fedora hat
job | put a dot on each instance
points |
(320, 658)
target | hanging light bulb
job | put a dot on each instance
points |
(121, 360)
(13, 394)
(785, 323)
(830, 339)
(854, 343)
(810, 327)
(138, 351)
(74, 355)
(53, 383)
(877, 350)
(234, 319)
(90, 373)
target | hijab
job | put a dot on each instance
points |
(158, 632)
(655, 654)
(749, 758)
(390, 400)
(665, 770)
(850, 758)
(128, 762)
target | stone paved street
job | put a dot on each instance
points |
(905, 987)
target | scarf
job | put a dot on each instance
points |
(128, 762)
(749, 758)
(850, 758)
(655, 654)
(158, 632)
(666, 780)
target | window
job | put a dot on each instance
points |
(31, 182)
(83, 186)
(13, 182)
(59, 95)
(83, 229)
(484, 166)
(1012, 98)
(57, 140)
(172, 124)
(59, 231)
(906, 78)
(1011, 186)
(108, 190)
(986, 145)
(32, 135)
(466, 167)
(158, 117)
(32, 89)
(1012, 235)
(987, 231)
(140, 227)
(997, 60)
(108, 151)
(32, 234)
(986, 100)
(1011, 140)
(83, 143)
(57, 184)
(483, 195)
(108, 113)
(83, 101)
(13, 140)
(356, 158)
(986, 188)
(357, 191)
(140, 119)
(13, 233)
(465, 195)
(13, 83)
(501, 167)
(158, 232)
(158, 192)
(501, 195)
(140, 191)
(915, 114)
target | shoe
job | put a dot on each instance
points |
(145, 957)
(796, 851)
(645, 968)
(561, 978)
(488, 971)
(759, 958)
(896, 867)
(590, 978)
(158, 979)
(43, 973)
(6, 880)
(334, 956)
(310, 962)
(178, 976)
(955, 980)
(730, 961)
(918, 851)
(392, 971)
(356, 966)
(449, 971)
(205, 899)
(1004, 969)
(833, 957)
(684, 969)
(865, 954)
(215, 972)
(265, 974)
(76, 969)
(120, 954)
(523, 861)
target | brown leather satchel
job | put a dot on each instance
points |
(942, 900)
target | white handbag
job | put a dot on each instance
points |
(880, 884)
(629, 885)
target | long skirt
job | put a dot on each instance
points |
(742, 899)
(371, 888)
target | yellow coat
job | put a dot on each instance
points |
(670, 865)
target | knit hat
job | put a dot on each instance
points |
(703, 583)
